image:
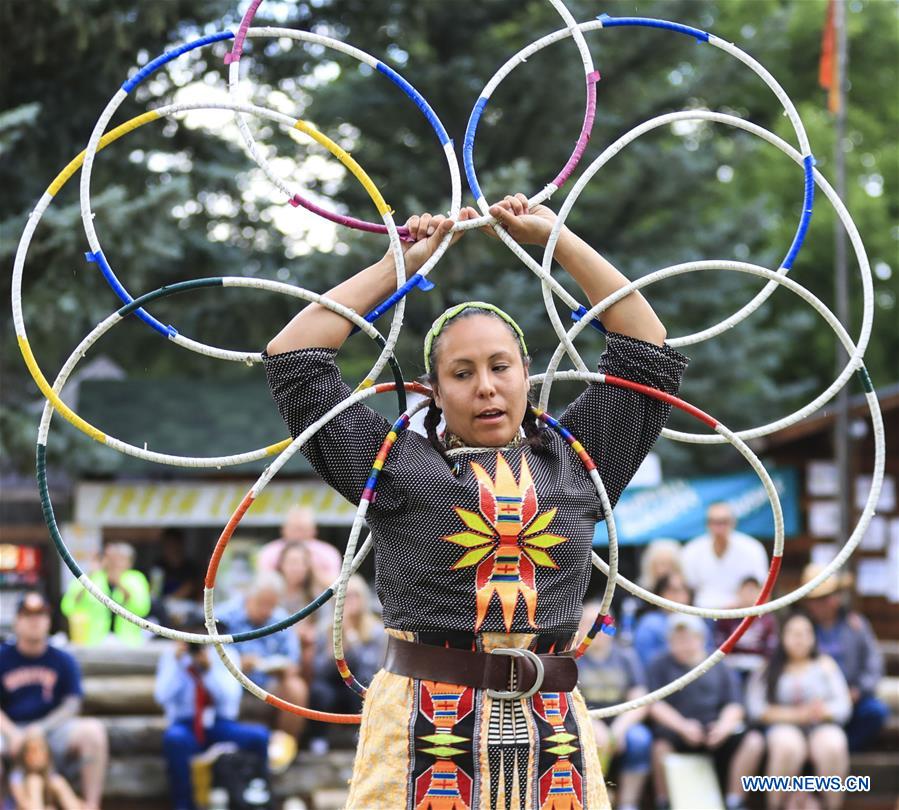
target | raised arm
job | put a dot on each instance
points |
(306, 383)
(318, 327)
(631, 316)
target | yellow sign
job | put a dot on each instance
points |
(190, 503)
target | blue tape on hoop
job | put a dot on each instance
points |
(419, 100)
(577, 314)
(649, 22)
(808, 202)
(808, 162)
(168, 56)
(100, 260)
(416, 280)
(468, 147)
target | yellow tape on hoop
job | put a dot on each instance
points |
(347, 160)
(113, 135)
(64, 410)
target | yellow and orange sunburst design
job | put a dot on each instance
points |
(506, 539)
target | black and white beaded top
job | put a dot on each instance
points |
(502, 543)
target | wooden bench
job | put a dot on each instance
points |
(118, 687)
(118, 690)
(142, 776)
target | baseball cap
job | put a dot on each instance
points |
(687, 621)
(32, 602)
(834, 583)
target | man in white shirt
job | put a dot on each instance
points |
(715, 563)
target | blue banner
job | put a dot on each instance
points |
(676, 509)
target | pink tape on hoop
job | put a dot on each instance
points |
(359, 224)
(237, 49)
(352, 222)
(586, 128)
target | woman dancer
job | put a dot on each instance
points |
(482, 534)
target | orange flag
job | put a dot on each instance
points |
(827, 67)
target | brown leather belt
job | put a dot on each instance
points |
(492, 671)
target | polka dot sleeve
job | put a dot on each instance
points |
(618, 427)
(305, 385)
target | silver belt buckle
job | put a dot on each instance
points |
(518, 652)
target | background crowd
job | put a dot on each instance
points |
(796, 695)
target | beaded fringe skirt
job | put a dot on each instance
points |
(425, 745)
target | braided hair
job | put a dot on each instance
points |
(535, 433)
(432, 419)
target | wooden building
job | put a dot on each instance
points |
(808, 446)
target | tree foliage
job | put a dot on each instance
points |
(178, 200)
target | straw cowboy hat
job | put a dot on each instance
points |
(835, 582)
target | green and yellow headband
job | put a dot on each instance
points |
(438, 326)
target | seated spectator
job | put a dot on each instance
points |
(174, 574)
(610, 673)
(846, 636)
(651, 630)
(34, 785)
(299, 527)
(660, 558)
(802, 699)
(295, 567)
(201, 700)
(271, 662)
(758, 642)
(706, 716)
(90, 621)
(364, 642)
(717, 562)
(176, 584)
(40, 693)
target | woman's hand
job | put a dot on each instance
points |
(428, 231)
(631, 316)
(817, 711)
(528, 226)
(317, 327)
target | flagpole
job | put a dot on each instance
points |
(842, 449)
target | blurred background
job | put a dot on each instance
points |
(180, 199)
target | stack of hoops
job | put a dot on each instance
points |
(716, 432)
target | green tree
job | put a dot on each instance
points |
(182, 201)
